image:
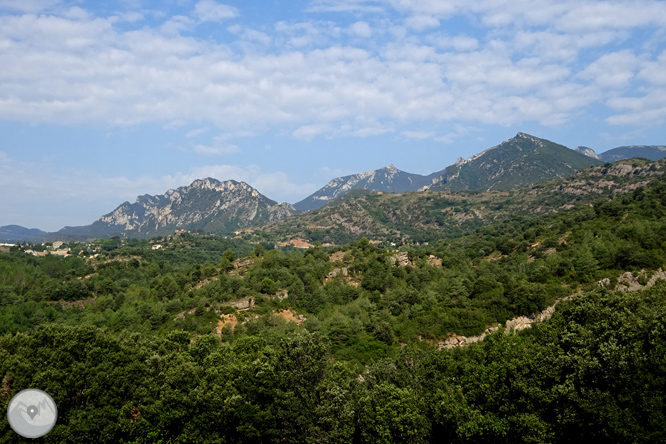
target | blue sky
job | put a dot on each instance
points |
(104, 101)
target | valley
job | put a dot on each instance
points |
(474, 315)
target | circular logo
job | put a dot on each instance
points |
(32, 413)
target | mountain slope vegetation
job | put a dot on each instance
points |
(654, 152)
(207, 204)
(137, 344)
(431, 215)
(518, 162)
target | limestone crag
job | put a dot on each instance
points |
(337, 271)
(589, 152)
(434, 261)
(206, 203)
(401, 259)
(628, 282)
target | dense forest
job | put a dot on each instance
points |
(218, 340)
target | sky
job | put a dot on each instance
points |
(103, 101)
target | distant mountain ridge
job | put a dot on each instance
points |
(518, 162)
(207, 204)
(653, 152)
(17, 233)
(388, 179)
(223, 207)
(443, 214)
(650, 152)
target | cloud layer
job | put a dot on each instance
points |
(527, 63)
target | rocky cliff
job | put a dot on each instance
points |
(206, 204)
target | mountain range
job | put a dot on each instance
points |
(653, 152)
(15, 233)
(388, 179)
(223, 207)
(430, 215)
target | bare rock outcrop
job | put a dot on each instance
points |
(338, 271)
(626, 282)
(401, 259)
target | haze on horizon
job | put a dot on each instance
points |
(100, 103)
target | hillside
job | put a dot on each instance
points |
(430, 215)
(627, 152)
(206, 204)
(15, 233)
(518, 162)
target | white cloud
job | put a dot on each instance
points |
(4, 158)
(457, 132)
(653, 71)
(421, 22)
(177, 24)
(220, 145)
(85, 70)
(28, 5)
(460, 43)
(567, 15)
(370, 6)
(250, 35)
(130, 16)
(596, 15)
(361, 29)
(196, 132)
(216, 150)
(561, 47)
(648, 110)
(211, 11)
(309, 132)
(419, 135)
(304, 34)
(614, 70)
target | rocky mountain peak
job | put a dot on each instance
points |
(206, 183)
(538, 142)
(589, 152)
(206, 203)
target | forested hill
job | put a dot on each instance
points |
(518, 162)
(433, 215)
(654, 152)
(201, 342)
